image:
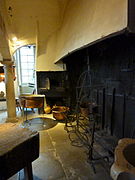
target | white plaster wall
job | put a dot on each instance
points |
(2, 87)
(46, 55)
(46, 64)
(3, 105)
(85, 21)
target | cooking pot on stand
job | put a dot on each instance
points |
(60, 112)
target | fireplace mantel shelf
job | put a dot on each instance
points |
(53, 92)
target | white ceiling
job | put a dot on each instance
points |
(29, 20)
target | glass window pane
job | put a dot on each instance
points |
(30, 65)
(25, 79)
(24, 58)
(31, 72)
(26, 66)
(25, 73)
(30, 51)
(30, 58)
(31, 80)
(23, 51)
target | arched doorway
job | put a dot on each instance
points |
(25, 69)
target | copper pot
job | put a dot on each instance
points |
(60, 112)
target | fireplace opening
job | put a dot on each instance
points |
(112, 70)
(54, 85)
(107, 96)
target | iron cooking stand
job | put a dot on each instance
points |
(86, 133)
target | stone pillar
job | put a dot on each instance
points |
(10, 93)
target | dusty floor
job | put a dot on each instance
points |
(58, 159)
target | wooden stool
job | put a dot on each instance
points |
(18, 148)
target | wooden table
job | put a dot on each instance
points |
(34, 97)
(33, 101)
(18, 148)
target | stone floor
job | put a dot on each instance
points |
(58, 159)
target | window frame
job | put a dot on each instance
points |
(18, 58)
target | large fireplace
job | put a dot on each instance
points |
(102, 74)
(112, 72)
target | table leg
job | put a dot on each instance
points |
(28, 175)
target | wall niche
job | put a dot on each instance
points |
(54, 85)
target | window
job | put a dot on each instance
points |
(25, 62)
